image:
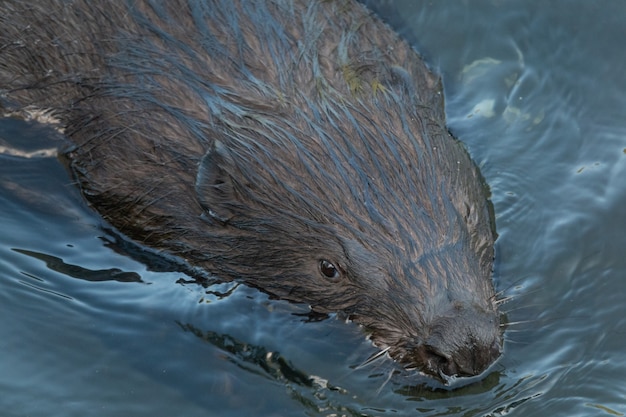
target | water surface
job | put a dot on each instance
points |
(536, 90)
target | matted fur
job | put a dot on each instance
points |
(255, 139)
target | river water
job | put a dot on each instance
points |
(90, 325)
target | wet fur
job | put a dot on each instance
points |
(254, 139)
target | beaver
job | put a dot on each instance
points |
(297, 146)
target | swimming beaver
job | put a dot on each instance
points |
(299, 146)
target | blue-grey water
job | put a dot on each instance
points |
(90, 326)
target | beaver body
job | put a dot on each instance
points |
(299, 146)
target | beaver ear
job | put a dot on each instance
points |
(214, 183)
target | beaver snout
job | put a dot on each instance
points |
(462, 345)
(463, 363)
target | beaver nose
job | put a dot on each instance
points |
(461, 344)
(466, 361)
(436, 362)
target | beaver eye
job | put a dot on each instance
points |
(328, 269)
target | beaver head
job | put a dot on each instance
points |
(385, 221)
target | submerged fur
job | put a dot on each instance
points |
(258, 139)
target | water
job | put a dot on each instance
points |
(91, 326)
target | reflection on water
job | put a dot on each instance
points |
(536, 91)
(56, 264)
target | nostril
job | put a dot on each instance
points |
(438, 362)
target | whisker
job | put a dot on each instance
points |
(504, 300)
(509, 331)
(514, 323)
(521, 307)
(379, 390)
(373, 358)
(501, 293)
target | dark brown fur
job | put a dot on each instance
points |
(298, 146)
